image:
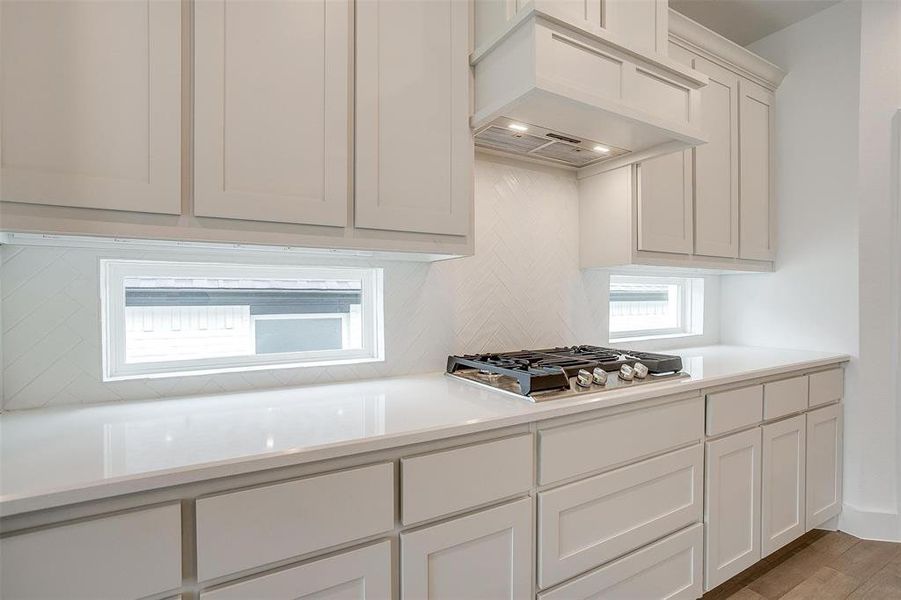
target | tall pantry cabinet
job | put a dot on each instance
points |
(322, 123)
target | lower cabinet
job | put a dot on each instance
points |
(362, 574)
(670, 568)
(483, 555)
(126, 555)
(584, 524)
(732, 513)
(784, 463)
(824, 464)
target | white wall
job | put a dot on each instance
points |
(832, 288)
(522, 289)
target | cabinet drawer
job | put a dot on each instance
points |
(587, 523)
(364, 573)
(670, 568)
(571, 450)
(253, 527)
(444, 482)
(785, 397)
(826, 387)
(728, 411)
(129, 555)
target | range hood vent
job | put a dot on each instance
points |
(567, 90)
(529, 140)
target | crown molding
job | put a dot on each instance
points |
(698, 39)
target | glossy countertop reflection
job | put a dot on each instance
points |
(54, 457)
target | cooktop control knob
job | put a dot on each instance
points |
(626, 373)
(641, 371)
(583, 378)
(599, 376)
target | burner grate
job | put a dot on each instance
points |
(551, 368)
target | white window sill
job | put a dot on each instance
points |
(665, 336)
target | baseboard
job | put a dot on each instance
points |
(869, 525)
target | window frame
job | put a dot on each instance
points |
(690, 309)
(113, 273)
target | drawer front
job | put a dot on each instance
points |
(571, 450)
(445, 482)
(785, 397)
(130, 555)
(728, 411)
(364, 573)
(670, 568)
(587, 523)
(826, 387)
(253, 527)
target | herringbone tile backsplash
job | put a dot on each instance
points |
(523, 288)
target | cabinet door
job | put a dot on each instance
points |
(732, 506)
(784, 463)
(716, 165)
(484, 555)
(756, 129)
(91, 104)
(272, 110)
(664, 204)
(414, 151)
(362, 574)
(824, 464)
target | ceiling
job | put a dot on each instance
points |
(746, 21)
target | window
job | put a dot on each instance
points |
(655, 307)
(163, 318)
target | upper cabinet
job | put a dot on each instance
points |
(712, 206)
(756, 129)
(414, 167)
(316, 124)
(91, 104)
(272, 110)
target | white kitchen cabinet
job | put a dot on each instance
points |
(414, 149)
(824, 464)
(585, 524)
(716, 165)
(710, 207)
(732, 506)
(361, 574)
(783, 483)
(757, 236)
(272, 110)
(640, 24)
(91, 104)
(128, 555)
(665, 204)
(251, 527)
(670, 568)
(487, 554)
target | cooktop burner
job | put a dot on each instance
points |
(558, 372)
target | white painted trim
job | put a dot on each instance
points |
(112, 302)
(870, 525)
(714, 47)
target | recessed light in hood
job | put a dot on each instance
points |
(538, 142)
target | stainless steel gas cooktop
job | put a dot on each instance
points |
(553, 373)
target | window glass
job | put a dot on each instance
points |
(177, 317)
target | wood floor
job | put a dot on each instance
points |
(821, 565)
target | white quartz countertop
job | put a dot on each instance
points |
(55, 457)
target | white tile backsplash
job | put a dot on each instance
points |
(523, 288)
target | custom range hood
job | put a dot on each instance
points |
(578, 94)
